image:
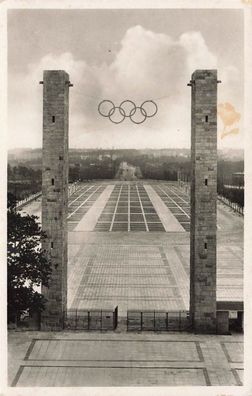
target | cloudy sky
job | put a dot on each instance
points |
(124, 54)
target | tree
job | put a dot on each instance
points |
(28, 265)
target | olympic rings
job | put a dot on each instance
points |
(130, 112)
(113, 111)
(127, 109)
(142, 112)
(100, 104)
(155, 108)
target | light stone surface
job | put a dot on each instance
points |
(124, 359)
(89, 220)
(145, 270)
(169, 221)
(135, 270)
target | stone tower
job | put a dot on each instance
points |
(55, 193)
(203, 201)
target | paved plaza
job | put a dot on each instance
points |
(130, 207)
(136, 255)
(124, 359)
(128, 246)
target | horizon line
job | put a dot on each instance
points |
(120, 148)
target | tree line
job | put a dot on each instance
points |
(28, 265)
(225, 177)
(23, 181)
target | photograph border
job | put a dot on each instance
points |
(246, 6)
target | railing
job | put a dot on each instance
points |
(73, 187)
(234, 187)
(233, 205)
(93, 319)
(27, 200)
(158, 320)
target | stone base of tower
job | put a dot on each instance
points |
(205, 324)
(52, 322)
(222, 322)
(52, 318)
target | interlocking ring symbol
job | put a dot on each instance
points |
(127, 109)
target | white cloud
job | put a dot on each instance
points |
(198, 54)
(25, 98)
(147, 66)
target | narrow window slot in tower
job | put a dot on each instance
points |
(205, 245)
(206, 181)
(52, 182)
(51, 245)
(206, 118)
(53, 119)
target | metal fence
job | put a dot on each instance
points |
(158, 320)
(95, 319)
(73, 187)
(25, 201)
(233, 205)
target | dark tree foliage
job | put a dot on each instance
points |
(234, 195)
(226, 170)
(28, 265)
(83, 171)
(23, 181)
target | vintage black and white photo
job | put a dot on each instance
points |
(125, 196)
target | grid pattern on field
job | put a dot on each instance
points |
(129, 208)
(229, 270)
(132, 277)
(176, 201)
(81, 201)
(145, 277)
(230, 273)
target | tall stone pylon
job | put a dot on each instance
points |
(55, 193)
(203, 200)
